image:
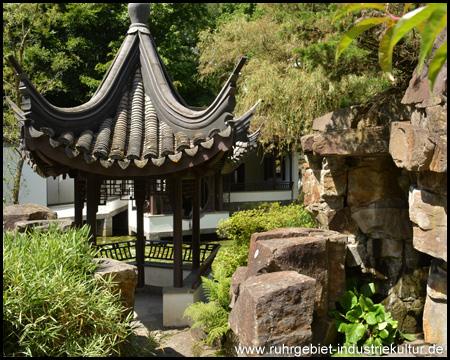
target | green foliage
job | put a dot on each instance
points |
(52, 305)
(291, 48)
(231, 257)
(266, 216)
(363, 322)
(175, 28)
(212, 317)
(429, 20)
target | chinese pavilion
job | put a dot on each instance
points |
(136, 128)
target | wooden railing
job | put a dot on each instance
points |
(161, 251)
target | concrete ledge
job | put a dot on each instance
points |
(157, 226)
(177, 300)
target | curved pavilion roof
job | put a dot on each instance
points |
(136, 124)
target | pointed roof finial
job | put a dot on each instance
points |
(139, 12)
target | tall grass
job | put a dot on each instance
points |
(52, 305)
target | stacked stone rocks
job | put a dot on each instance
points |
(378, 173)
(292, 277)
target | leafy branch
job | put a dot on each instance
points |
(429, 21)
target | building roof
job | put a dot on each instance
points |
(136, 123)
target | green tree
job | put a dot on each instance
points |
(291, 51)
(175, 28)
(22, 25)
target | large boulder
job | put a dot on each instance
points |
(43, 225)
(124, 279)
(417, 149)
(353, 142)
(239, 276)
(374, 180)
(316, 253)
(274, 309)
(25, 212)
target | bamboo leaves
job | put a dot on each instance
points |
(52, 305)
(429, 20)
(350, 35)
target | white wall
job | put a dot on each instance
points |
(254, 173)
(162, 224)
(59, 190)
(33, 188)
(261, 196)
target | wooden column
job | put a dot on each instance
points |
(92, 195)
(218, 190)
(80, 192)
(139, 194)
(196, 196)
(177, 232)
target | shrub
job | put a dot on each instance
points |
(266, 216)
(52, 305)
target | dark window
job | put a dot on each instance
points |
(268, 168)
(241, 174)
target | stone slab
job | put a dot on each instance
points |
(419, 86)
(239, 276)
(429, 212)
(353, 142)
(124, 278)
(274, 309)
(307, 142)
(373, 179)
(380, 222)
(43, 225)
(435, 311)
(338, 119)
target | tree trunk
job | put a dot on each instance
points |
(17, 176)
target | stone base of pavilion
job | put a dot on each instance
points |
(175, 300)
(159, 281)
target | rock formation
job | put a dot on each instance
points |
(293, 275)
(26, 217)
(378, 173)
(375, 182)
